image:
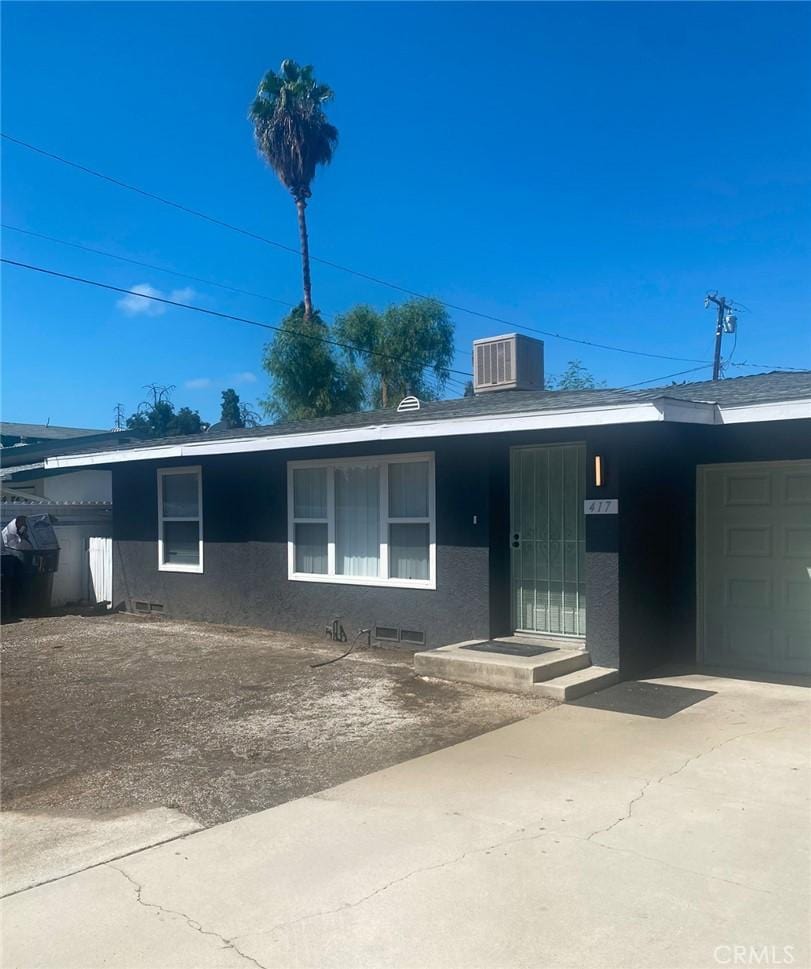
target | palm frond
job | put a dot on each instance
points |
(291, 129)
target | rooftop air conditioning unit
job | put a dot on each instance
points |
(509, 362)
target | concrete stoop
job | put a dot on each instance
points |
(559, 673)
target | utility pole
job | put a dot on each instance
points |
(725, 322)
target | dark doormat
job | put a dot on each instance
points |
(509, 649)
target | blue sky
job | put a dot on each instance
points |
(587, 169)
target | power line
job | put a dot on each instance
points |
(667, 376)
(209, 312)
(334, 265)
(246, 292)
(291, 249)
(171, 272)
(144, 265)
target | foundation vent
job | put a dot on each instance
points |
(149, 607)
(387, 633)
(414, 637)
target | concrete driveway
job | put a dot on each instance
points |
(662, 824)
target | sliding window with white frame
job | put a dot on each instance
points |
(180, 519)
(363, 521)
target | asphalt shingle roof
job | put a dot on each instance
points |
(51, 432)
(760, 388)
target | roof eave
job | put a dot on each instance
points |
(776, 410)
(660, 409)
(638, 412)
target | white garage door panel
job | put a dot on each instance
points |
(755, 566)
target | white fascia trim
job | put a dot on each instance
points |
(648, 411)
(782, 410)
(9, 472)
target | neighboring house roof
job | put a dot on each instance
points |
(23, 457)
(45, 432)
(772, 396)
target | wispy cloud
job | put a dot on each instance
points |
(135, 303)
(198, 383)
(244, 377)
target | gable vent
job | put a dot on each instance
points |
(407, 404)
(510, 362)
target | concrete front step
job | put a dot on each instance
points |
(579, 683)
(520, 674)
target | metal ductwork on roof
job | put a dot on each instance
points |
(509, 362)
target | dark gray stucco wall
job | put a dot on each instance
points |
(657, 541)
(245, 557)
(640, 564)
(245, 533)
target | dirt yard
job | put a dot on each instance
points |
(109, 713)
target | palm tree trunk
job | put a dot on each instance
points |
(301, 205)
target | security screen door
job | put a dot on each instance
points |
(547, 539)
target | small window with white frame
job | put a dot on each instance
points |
(180, 519)
(363, 521)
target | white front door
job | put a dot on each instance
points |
(547, 539)
(754, 565)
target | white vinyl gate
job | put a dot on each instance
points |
(100, 556)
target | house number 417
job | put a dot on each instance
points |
(601, 506)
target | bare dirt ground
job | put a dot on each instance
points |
(116, 712)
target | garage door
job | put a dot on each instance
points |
(754, 551)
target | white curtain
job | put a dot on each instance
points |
(408, 551)
(408, 489)
(357, 521)
(310, 493)
(311, 548)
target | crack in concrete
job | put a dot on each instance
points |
(628, 811)
(105, 862)
(687, 871)
(505, 842)
(192, 923)
(345, 906)
(666, 776)
(544, 833)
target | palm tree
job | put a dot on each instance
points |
(294, 135)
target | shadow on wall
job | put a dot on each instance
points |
(645, 699)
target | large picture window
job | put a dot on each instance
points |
(365, 521)
(180, 520)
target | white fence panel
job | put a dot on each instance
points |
(100, 554)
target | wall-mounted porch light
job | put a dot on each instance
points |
(599, 471)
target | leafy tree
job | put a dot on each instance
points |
(574, 377)
(309, 380)
(156, 416)
(230, 413)
(411, 343)
(295, 137)
(187, 421)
